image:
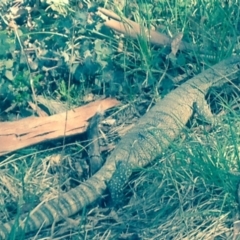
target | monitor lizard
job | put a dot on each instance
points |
(142, 144)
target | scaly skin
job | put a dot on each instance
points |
(141, 145)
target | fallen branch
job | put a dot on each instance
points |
(29, 131)
(133, 30)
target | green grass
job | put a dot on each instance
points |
(190, 192)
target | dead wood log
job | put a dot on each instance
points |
(133, 30)
(29, 131)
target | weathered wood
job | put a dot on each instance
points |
(26, 132)
(133, 30)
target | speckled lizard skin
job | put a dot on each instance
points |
(142, 144)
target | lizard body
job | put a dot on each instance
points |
(141, 145)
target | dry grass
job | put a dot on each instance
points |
(190, 192)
